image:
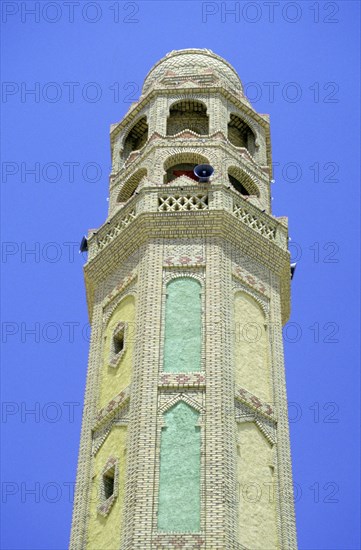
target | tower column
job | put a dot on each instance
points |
(220, 427)
(143, 412)
(188, 286)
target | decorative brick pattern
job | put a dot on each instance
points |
(121, 416)
(184, 261)
(246, 413)
(112, 406)
(176, 541)
(169, 400)
(249, 279)
(254, 402)
(187, 380)
(120, 287)
(184, 248)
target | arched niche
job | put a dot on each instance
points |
(136, 137)
(257, 498)
(129, 187)
(251, 347)
(182, 164)
(188, 115)
(240, 134)
(242, 182)
(179, 475)
(182, 335)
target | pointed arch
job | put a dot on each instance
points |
(181, 397)
(251, 346)
(255, 454)
(179, 473)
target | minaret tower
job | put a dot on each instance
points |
(185, 440)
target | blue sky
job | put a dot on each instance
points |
(85, 65)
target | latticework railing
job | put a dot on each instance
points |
(252, 220)
(182, 202)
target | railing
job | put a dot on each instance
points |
(181, 202)
(255, 222)
(176, 200)
(100, 239)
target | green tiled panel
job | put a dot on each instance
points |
(182, 347)
(179, 490)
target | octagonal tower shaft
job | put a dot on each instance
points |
(185, 440)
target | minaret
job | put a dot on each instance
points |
(185, 440)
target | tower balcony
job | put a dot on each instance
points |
(173, 202)
(189, 211)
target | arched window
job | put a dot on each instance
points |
(242, 182)
(188, 115)
(129, 187)
(240, 134)
(136, 138)
(182, 339)
(179, 476)
(182, 164)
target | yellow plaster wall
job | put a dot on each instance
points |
(104, 533)
(251, 347)
(257, 504)
(115, 379)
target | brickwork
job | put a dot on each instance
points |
(232, 245)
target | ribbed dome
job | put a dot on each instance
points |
(192, 63)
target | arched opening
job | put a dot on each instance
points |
(188, 115)
(136, 138)
(130, 186)
(242, 182)
(182, 165)
(240, 134)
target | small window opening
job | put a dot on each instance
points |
(118, 341)
(108, 483)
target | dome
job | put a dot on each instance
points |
(193, 63)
